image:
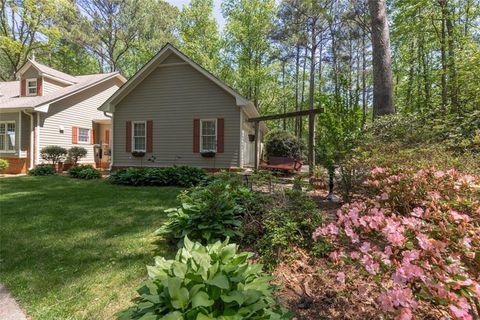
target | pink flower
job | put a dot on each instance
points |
(405, 314)
(352, 235)
(459, 217)
(397, 297)
(384, 196)
(371, 266)
(424, 242)
(377, 170)
(459, 313)
(365, 247)
(355, 255)
(335, 256)
(467, 242)
(439, 174)
(412, 223)
(341, 277)
(417, 212)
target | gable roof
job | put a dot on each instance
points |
(150, 66)
(44, 70)
(10, 92)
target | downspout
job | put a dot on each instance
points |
(110, 142)
(31, 139)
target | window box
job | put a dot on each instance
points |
(208, 154)
(251, 137)
(138, 154)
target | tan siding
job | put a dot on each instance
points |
(30, 73)
(172, 58)
(172, 96)
(50, 85)
(77, 111)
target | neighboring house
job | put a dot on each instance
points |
(48, 107)
(176, 113)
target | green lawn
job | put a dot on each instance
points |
(73, 249)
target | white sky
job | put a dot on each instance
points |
(217, 11)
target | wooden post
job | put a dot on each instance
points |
(257, 143)
(311, 144)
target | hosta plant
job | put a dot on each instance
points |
(205, 282)
(206, 213)
(417, 236)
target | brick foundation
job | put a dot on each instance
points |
(16, 165)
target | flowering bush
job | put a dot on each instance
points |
(418, 236)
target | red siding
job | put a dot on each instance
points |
(92, 136)
(23, 88)
(39, 86)
(74, 135)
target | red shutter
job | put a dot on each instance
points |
(196, 135)
(149, 136)
(128, 137)
(74, 135)
(23, 88)
(39, 86)
(92, 136)
(220, 135)
(107, 137)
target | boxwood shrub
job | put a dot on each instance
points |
(205, 282)
(86, 172)
(182, 176)
(42, 170)
(3, 164)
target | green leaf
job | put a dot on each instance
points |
(236, 296)
(176, 315)
(220, 280)
(201, 299)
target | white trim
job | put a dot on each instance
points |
(29, 64)
(241, 139)
(30, 155)
(88, 136)
(28, 87)
(20, 133)
(201, 135)
(133, 136)
(38, 138)
(6, 140)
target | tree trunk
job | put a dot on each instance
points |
(443, 42)
(311, 117)
(382, 64)
(297, 71)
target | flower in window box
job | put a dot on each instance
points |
(208, 154)
(138, 154)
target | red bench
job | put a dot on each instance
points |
(280, 163)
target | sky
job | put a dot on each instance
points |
(217, 11)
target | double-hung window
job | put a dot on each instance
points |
(32, 87)
(83, 135)
(7, 136)
(139, 137)
(208, 139)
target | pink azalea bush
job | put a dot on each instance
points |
(418, 235)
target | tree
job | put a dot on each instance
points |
(28, 27)
(382, 66)
(199, 35)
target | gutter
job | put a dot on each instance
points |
(111, 138)
(31, 139)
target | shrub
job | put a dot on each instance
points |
(42, 170)
(182, 176)
(205, 282)
(206, 213)
(53, 154)
(3, 164)
(416, 237)
(75, 154)
(288, 221)
(86, 172)
(284, 144)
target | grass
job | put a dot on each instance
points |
(74, 249)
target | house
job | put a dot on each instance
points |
(48, 107)
(174, 112)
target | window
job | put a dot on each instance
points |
(7, 136)
(32, 87)
(83, 135)
(208, 139)
(139, 137)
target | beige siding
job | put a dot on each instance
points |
(22, 133)
(172, 96)
(50, 85)
(76, 111)
(30, 73)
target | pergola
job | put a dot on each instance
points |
(311, 132)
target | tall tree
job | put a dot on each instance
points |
(382, 66)
(199, 34)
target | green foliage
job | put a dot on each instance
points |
(42, 170)
(182, 176)
(206, 213)
(287, 222)
(3, 164)
(53, 154)
(75, 154)
(205, 282)
(86, 172)
(284, 144)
